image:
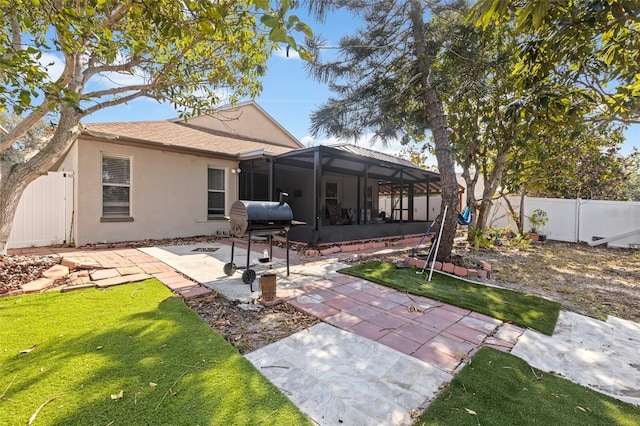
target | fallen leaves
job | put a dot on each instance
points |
(473, 413)
(117, 396)
(26, 351)
(35, 414)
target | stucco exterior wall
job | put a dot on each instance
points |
(247, 120)
(168, 194)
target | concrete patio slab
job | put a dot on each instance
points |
(204, 263)
(600, 355)
(336, 377)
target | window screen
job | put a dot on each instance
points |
(116, 186)
(216, 193)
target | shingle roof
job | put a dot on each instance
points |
(375, 155)
(179, 135)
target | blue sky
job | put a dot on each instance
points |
(288, 95)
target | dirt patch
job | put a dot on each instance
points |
(593, 281)
(250, 327)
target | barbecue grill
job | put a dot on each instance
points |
(258, 218)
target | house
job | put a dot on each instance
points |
(177, 178)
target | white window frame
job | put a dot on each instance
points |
(223, 191)
(114, 218)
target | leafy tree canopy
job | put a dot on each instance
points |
(66, 60)
(594, 43)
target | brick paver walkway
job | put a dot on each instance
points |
(432, 331)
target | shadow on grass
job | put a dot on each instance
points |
(138, 340)
(507, 305)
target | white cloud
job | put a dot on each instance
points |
(53, 64)
(281, 52)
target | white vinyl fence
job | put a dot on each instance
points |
(419, 207)
(569, 220)
(44, 215)
(578, 220)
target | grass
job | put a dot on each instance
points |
(131, 354)
(500, 389)
(507, 305)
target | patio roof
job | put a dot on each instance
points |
(357, 161)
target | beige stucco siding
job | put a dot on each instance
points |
(168, 194)
(247, 120)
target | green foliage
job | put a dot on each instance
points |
(630, 191)
(547, 139)
(537, 220)
(173, 51)
(496, 388)
(83, 348)
(477, 235)
(593, 43)
(372, 76)
(507, 305)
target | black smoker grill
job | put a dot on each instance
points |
(258, 218)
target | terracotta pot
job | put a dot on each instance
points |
(533, 237)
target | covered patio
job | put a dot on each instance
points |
(338, 191)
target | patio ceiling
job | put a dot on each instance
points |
(352, 160)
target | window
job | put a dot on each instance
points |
(331, 193)
(216, 193)
(116, 187)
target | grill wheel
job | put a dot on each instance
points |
(229, 268)
(248, 276)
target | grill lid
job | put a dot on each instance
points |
(258, 215)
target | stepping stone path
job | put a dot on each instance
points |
(79, 270)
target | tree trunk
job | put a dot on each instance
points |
(491, 184)
(446, 168)
(435, 117)
(483, 213)
(521, 224)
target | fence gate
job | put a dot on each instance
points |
(44, 215)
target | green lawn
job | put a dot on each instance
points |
(129, 355)
(507, 305)
(501, 389)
